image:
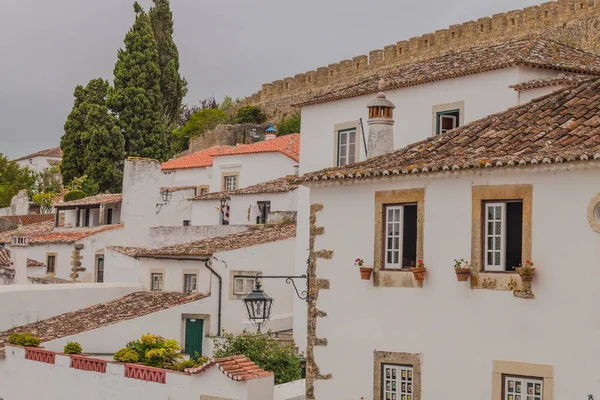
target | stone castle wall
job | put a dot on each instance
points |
(574, 22)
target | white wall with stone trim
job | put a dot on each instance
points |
(243, 208)
(58, 381)
(24, 304)
(453, 327)
(168, 235)
(38, 163)
(483, 94)
(253, 168)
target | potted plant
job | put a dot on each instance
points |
(365, 272)
(526, 271)
(419, 271)
(462, 269)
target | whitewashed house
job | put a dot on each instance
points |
(222, 268)
(42, 160)
(514, 186)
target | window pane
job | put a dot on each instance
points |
(490, 243)
(497, 258)
(352, 138)
(239, 285)
(498, 228)
(351, 153)
(490, 258)
(343, 139)
(396, 243)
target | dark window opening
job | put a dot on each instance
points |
(100, 269)
(409, 238)
(109, 216)
(51, 264)
(187, 222)
(514, 234)
(447, 120)
(87, 217)
(264, 208)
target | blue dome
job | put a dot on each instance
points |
(270, 129)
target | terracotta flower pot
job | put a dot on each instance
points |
(365, 273)
(462, 274)
(529, 277)
(419, 273)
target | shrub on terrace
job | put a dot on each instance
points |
(72, 348)
(24, 339)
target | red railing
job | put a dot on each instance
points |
(88, 364)
(40, 355)
(145, 373)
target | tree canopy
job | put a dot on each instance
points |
(12, 179)
(200, 122)
(289, 125)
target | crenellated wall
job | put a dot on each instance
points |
(570, 21)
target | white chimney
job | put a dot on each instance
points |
(19, 249)
(270, 133)
(381, 125)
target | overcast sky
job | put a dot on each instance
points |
(226, 47)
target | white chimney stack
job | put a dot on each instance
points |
(18, 256)
(381, 124)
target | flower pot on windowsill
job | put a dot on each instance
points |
(365, 273)
(419, 273)
(462, 274)
(526, 277)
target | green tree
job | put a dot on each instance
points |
(48, 181)
(44, 200)
(12, 179)
(172, 85)
(71, 142)
(227, 104)
(289, 125)
(136, 96)
(200, 122)
(105, 151)
(249, 115)
(265, 351)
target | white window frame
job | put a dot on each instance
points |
(246, 281)
(194, 281)
(454, 120)
(493, 236)
(397, 382)
(344, 147)
(230, 182)
(154, 282)
(512, 383)
(397, 218)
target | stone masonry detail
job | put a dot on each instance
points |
(573, 22)
(312, 369)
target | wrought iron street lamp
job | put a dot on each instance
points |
(258, 306)
(166, 198)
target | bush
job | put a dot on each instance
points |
(153, 351)
(24, 339)
(196, 361)
(289, 125)
(73, 195)
(72, 348)
(265, 351)
(126, 355)
(249, 115)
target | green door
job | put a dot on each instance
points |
(193, 336)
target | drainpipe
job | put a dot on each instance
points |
(208, 265)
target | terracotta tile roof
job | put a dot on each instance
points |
(206, 247)
(532, 51)
(35, 263)
(238, 368)
(275, 186)
(134, 305)
(560, 79)
(198, 159)
(53, 152)
(560, 127)
(31, 231)
(29, 219)
(70, 235)
(92, 200)
(178, 188)
(48, 280)
(288, 145)
(5, 257)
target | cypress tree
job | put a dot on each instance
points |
(105, 151)
(136, 97)
(172, 85)
(70, 143)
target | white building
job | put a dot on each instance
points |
(222, 268)
(41, 160)
(514, 186)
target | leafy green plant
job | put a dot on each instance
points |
(44, 200)
(126, 355)
(461, 264)
(73, 195)
(249, 115)
(190, 363)
(72, 348)
(289, 125)
(24, 339)
(266, 352)
(152, 350)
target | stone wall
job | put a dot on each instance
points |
(568, 21)
(226, 135)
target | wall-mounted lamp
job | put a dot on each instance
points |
(166, 198)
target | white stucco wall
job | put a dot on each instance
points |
(300, 263)
(189, 176)
(24, 304)
(483, 94)
(177, 210)
(38, 164)
(253, 168)
(168, 235)
(453, 327)
(120, 268)
(243, 208)
(58, 381)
